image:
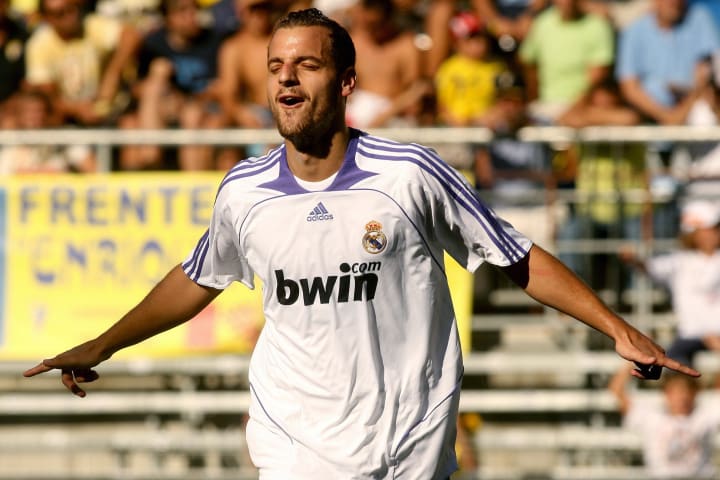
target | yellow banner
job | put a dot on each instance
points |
(80, 251)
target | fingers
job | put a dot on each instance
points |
(37, 369)
(68, 379)
(679, 367)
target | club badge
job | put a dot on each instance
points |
(374, 241)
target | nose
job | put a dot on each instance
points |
(288, 75)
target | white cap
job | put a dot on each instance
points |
(699, 214)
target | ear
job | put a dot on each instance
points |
(348, 80)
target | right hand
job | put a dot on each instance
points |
(76, 366)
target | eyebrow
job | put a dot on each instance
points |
(299, 59)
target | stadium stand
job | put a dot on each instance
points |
(541, 399)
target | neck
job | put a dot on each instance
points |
(321, 162)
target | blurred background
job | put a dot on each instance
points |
(591, 125)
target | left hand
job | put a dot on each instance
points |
(633, 345)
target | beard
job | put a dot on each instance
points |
(312, 133)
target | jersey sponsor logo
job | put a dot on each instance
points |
(374, 240)
(358, 283)
(319, 213)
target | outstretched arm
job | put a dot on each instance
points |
(550, 282)
(174, 300)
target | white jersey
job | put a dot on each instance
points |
(694, 281)
(675, 446)
(357, 371)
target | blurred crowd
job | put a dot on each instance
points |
(500, 64)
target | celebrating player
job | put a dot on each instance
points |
(357, 371)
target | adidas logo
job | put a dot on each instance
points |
(319, 213)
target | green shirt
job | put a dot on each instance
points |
(565, 51)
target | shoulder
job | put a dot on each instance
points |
(643, 25)
(250, 173)
(596, 22)
(547, 18)
(42, 36)
(408, 161)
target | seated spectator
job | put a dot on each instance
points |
(692, 276)
(658, 59)
(13, 37)
(676, 432)
(242, 85)
(565, 53)
(78, 61)
(177, 70)
(32, 110)
(465, 82)
(389, 85)
(606, 173)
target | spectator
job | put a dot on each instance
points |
(242, 86)
(658, 59)
(692, 275)
(677, 434)
(177, 68)
(389, 81)
(565, 53)
(33, 111)
(78, 61)
(13, 36)
(606, 173)
(465, 82)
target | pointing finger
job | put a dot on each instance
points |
(37, 369)
(679, 367)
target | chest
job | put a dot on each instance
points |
(327, 234)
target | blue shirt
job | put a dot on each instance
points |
(664, 58)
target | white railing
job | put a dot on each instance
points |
(427, 135)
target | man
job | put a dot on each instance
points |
(565, 54)
(177, 67)
(357, 370)
(241, 85)
(389, 86)
(660, 57)
(79, 60)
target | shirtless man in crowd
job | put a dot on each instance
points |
(242, 86)
(390, 85)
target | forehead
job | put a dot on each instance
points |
(294, 42)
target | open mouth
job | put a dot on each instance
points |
(290, 100)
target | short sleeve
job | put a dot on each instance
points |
(38, 57)
(465, 227)
(603, 49)
(217, 260)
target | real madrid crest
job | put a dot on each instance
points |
(374, 241)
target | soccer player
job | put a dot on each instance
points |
(357, 371)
